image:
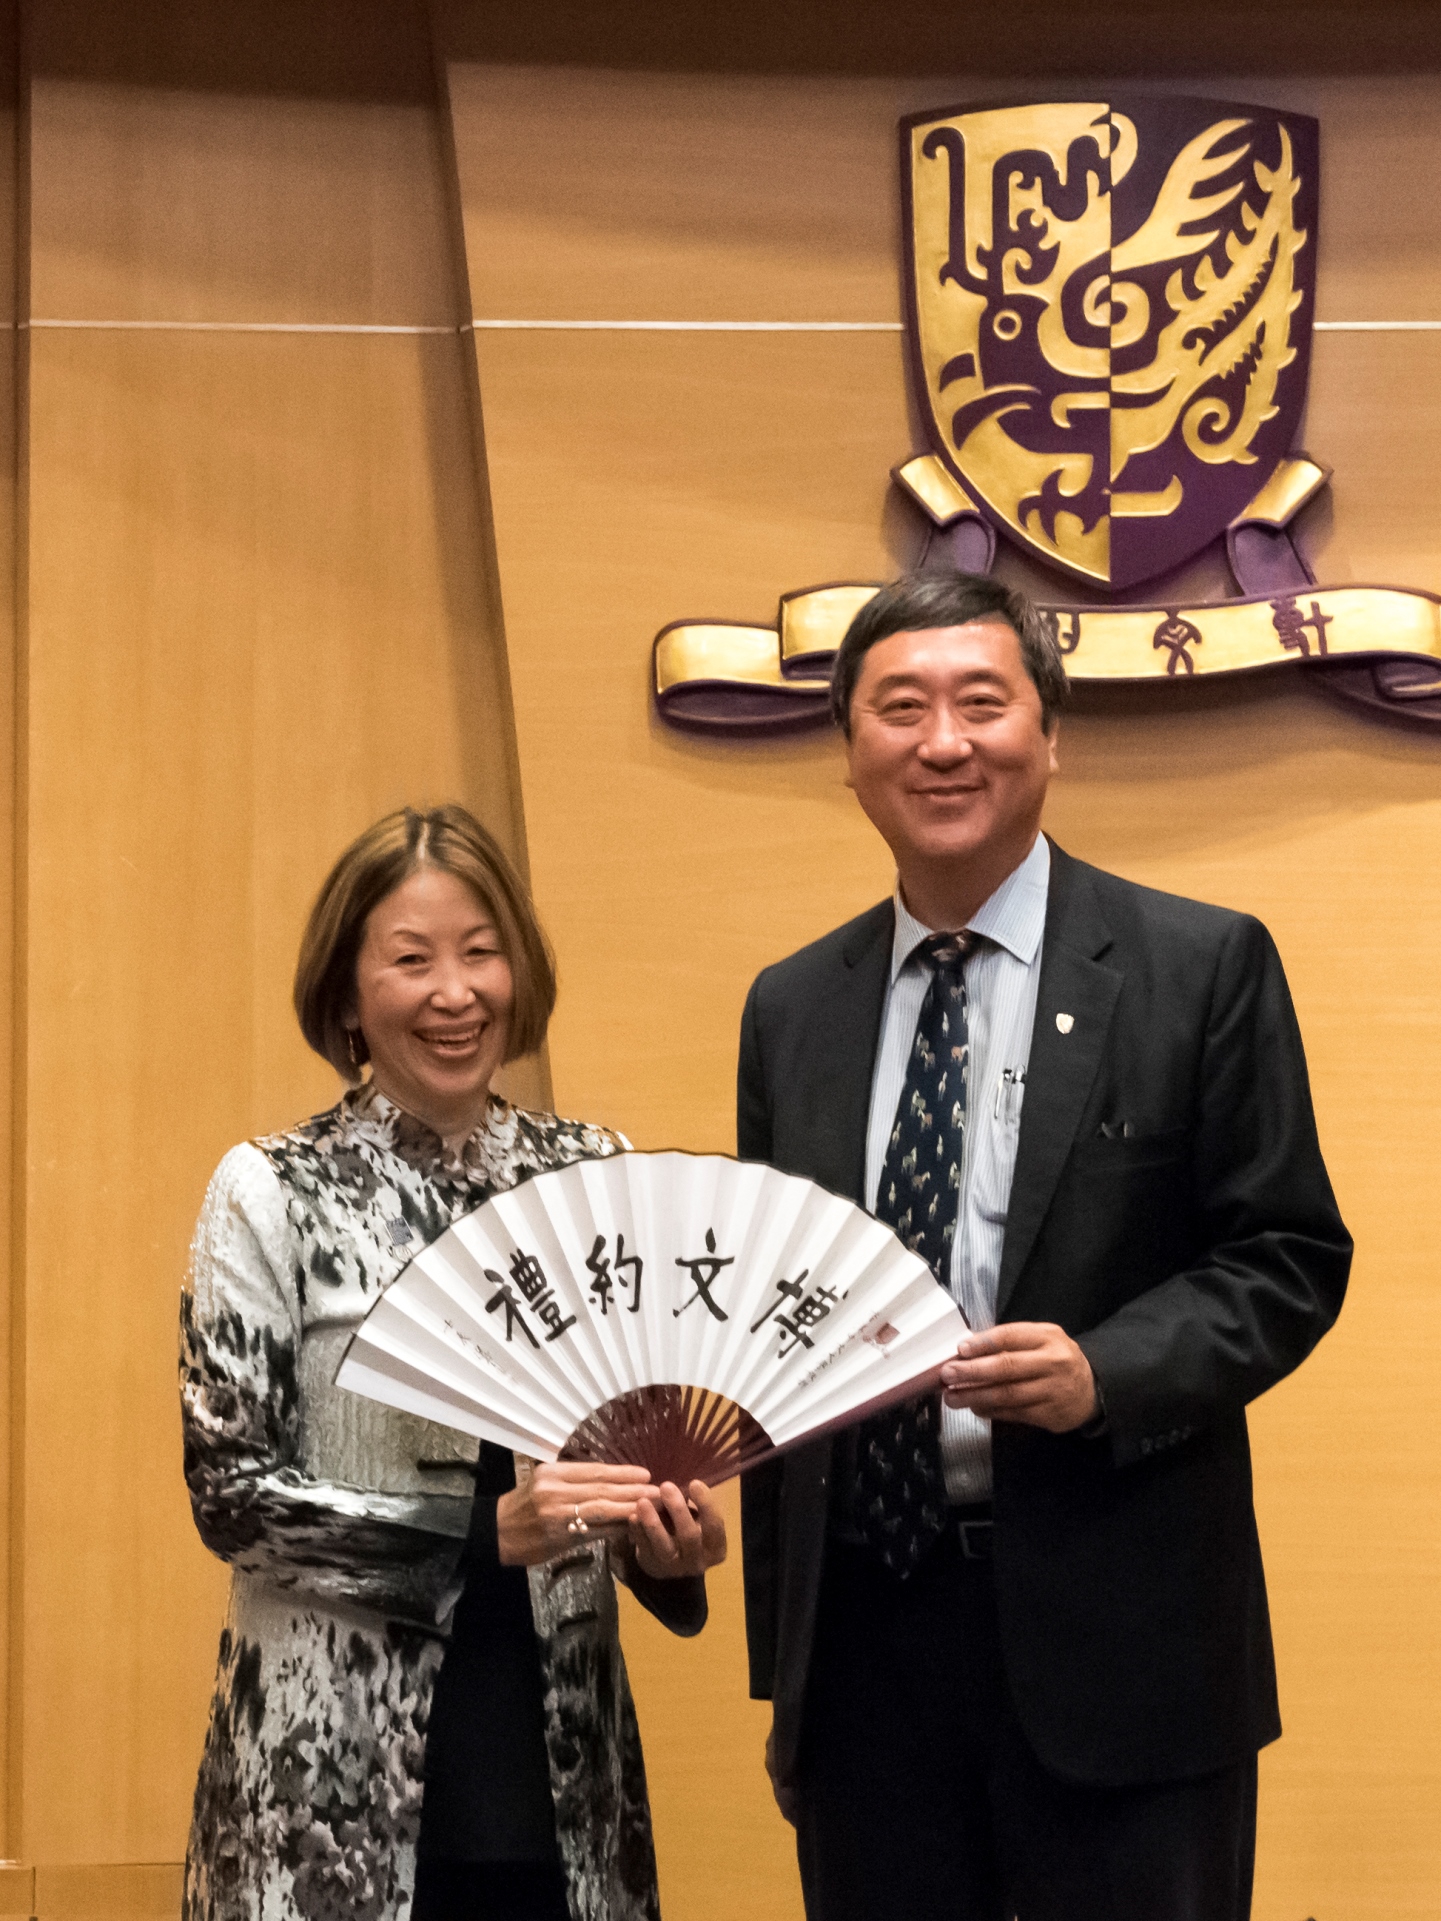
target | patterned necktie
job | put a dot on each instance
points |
(900, 1487)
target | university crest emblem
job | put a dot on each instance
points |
(1109, 306)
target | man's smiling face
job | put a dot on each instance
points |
(948, 756)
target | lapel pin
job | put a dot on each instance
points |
(1065, 1022)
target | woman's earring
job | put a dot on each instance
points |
(355, 1060)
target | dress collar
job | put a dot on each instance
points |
(417, 1143)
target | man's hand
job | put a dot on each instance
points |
(1026, 1371)
(676, 1542)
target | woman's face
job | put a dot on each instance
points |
(433, 995)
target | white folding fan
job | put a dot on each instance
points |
(684, 1313)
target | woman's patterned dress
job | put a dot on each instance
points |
(345, 1523)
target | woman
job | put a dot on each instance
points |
(354, 1530)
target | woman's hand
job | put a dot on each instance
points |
(543, 1514)
(671, 1536)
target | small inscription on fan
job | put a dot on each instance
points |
(807, 1311)
(483, 1355)
(704, 1270)
(878, 1332)
(604, 1284)
(529, 1280)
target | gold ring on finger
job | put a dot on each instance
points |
(579, 1525)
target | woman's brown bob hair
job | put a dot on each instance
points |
(375, 865)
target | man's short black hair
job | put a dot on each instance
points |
(916, 602)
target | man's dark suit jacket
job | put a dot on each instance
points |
(1171, 1211)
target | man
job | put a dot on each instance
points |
(1018, 1649)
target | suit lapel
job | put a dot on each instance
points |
(1075, 1000)
(838, 1083)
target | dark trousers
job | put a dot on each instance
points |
(919, 1795)
(489, 1891)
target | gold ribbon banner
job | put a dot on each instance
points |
(721, 677)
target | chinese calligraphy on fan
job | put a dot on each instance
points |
(529, 1281)
(616, 1273)
(603, 1285)
(808, 1310)
(705, 1269)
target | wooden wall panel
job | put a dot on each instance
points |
(1375, 413)
(641, 196)
(304, 210)
(670, 869)
(258, 617)
(639, 477)
(623, 195)
(11, 1297)
(250, 659)
(108, 1891)
(1276, 802)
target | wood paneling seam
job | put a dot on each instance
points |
(581, 326)
(853, 326)
(699, 326)
(241, 326)
(849, 326)
(863, 327)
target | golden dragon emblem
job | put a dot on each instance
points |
(1106, 320)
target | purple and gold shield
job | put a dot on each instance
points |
(1109, 307)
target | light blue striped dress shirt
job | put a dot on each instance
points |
(1001, 979)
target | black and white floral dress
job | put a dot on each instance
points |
(345, 1524)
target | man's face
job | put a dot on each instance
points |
(947, 754)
